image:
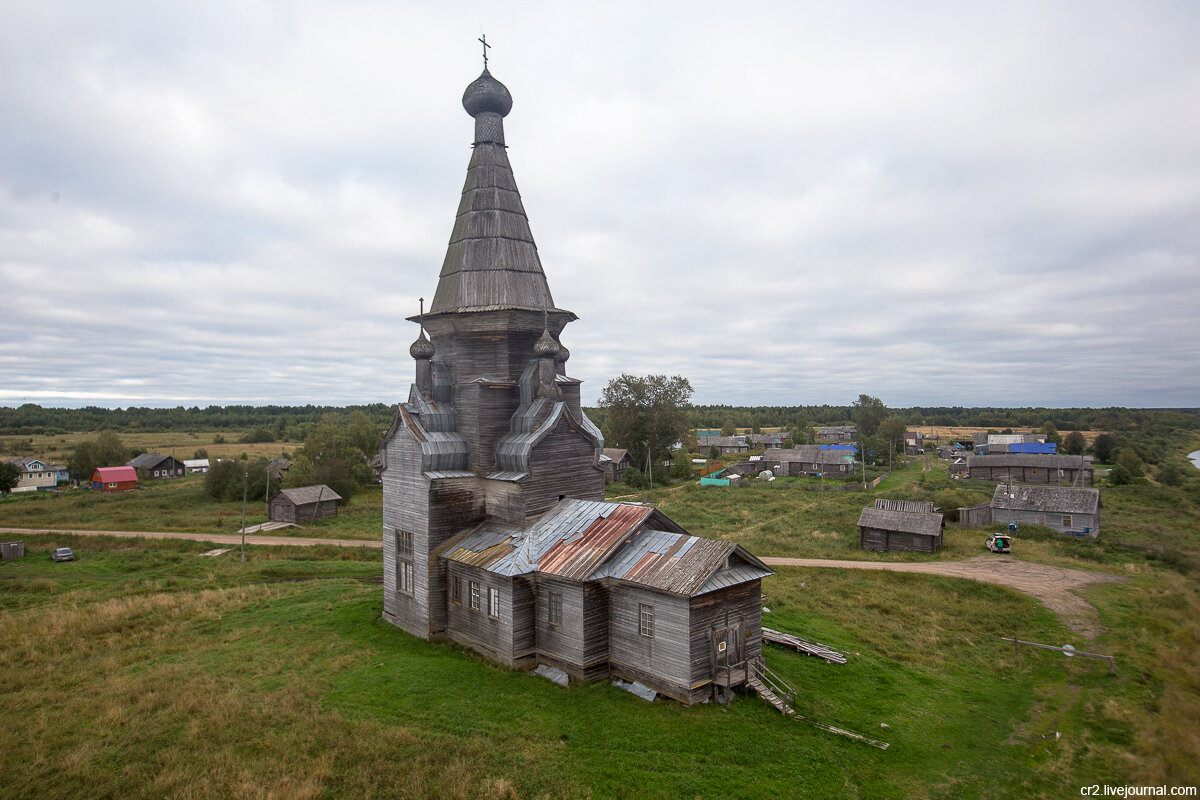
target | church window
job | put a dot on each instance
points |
(493, 602)
(646, 620)
(404, 543)
(473, 591)
(555, 609)
(404, 576)
(456, 590)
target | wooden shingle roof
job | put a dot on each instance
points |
(304, 495)
(901, 521)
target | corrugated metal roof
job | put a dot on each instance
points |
(577, 554)
(114, 474)
(724, 578)
(448, 473)
(1042, 460)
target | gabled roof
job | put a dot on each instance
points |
(916, 506)
(1058, 499)
(1042, 460)
(304, 495)
(811, 454)
(114, 474)
(901, 521)
(590, 540)
(617, 454)
(148, 461)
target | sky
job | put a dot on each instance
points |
(787, 203)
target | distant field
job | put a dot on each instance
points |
(182, 445)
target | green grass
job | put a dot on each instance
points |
(148, 671)
(177, 505)
(145, 670)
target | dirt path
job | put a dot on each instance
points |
(217, 538)
(1051, 585)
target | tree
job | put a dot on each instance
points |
(868, 413)
(729, 429)
(891, 435)
(681, 469)
(1169, 473)
(1051, 433)
(714, 452)
(1104, 447)
(646, 412)
(1073, 443)
(332, 454)
(1131, 462)
(10, 475)
(105, 450)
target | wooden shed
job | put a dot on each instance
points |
(114, 479)
(304, 504)
(1035, 468)
(900, 525)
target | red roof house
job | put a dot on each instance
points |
(114, 479)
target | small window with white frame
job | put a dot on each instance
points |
(493, 602)
(554, 609)
(404, 576)
(473, 595)
(646, 620)
(456, 590)
(1066, 520)
(404, 543)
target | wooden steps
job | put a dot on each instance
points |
(755, 681)
(803, 646)
(766, 694)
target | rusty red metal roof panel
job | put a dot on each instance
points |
(578, 554)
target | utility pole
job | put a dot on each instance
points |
(245, 481)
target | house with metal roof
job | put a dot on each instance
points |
(37, 473)
(615, 461)
(837, 433)
(496, 534)
(114, 479)
(1065, 509)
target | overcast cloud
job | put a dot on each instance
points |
(790, 203)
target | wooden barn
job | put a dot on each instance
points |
(900, 525)
(495, 530)
(114, 479)
(155, 465)
(304, 504)
(725, 444)
(616, 460)
(1066, 510)
(1033, 468)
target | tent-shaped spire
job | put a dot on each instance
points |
(492, 262)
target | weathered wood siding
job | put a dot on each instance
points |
(878, 539)
(490, 636)
(579, 646)
(1050, 519)
(405, 507)
(563, 464)
(661, 661)
(735, 606)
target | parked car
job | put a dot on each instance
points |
(63, 554)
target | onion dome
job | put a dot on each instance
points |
(422, 348)
(546, 347)
(563, 353)
(486, 94)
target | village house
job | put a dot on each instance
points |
(615, 460)
(154, 465)
(811, 460)
(303, 504)
(37, 473)
(1066, 510)
(901, 525)
(725, 444)
(196, 465)
(114, 479)
(1049, 469)
(837, 433)
(496, 534)
(769, 441)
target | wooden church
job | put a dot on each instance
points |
(495, 530)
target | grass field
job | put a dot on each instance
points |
(145, 670)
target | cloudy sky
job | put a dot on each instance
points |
(785, 202)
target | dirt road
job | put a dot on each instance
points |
(217, 538)
(1051, 585)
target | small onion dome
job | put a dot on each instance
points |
(487, 94)
(546, 347)
(421, 348)
(563, 353)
